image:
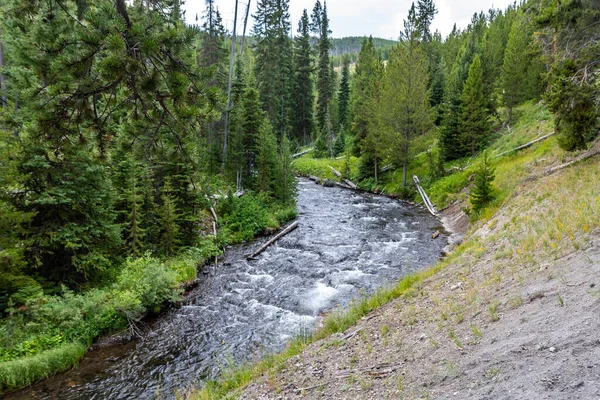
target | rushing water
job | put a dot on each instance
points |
(347, 244)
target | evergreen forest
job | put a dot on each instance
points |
(135, 147)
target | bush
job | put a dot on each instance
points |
(244, 217)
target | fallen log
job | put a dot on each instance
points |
(335, 172)
(428, 203)
(302, 153)
(274, 239)
(342, 185)
(351, 184)
(582, 157)
(339, 175)
(526, 145)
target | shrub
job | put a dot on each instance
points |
(244, 217)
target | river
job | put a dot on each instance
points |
(348, 244)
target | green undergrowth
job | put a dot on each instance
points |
(48, 333)
(307, 165)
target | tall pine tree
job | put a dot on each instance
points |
(303, 83)
(344, 92)
(474, 118)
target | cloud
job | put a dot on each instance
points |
(380, 18)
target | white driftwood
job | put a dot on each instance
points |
(302, 153)
(424, 196)
(351, 184)
(274, 239)
(339, 175)
(526, 145)
(582, 157)
(342, 185)
(335, 172)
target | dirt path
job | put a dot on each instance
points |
(490, 325)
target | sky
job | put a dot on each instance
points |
(380, 18)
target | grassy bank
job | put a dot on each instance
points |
(49, 333)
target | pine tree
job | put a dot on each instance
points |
(169, 238)
(287, 185)
(251, 127)
(450, 132)
(474, 118)
(339, 147)
(344, 92)
(364, 86)
(514, 67)
(426, 11)
(316, 18)
(267, 163)
(274, 56)
(324, 82)
(483, 192)
(77, 101)
(303, 83)
(405, 110)
(376, 142)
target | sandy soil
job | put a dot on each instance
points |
(478, 329)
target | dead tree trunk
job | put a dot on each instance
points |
(231, 64)
(274, 239)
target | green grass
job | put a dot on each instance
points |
(307, 165)
(25, 371)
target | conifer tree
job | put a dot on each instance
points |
(84, 86)
(324, 81)
(376, 141)
(344, 92)
(316, 18)
(169, 238)
(267, 163)
(274, 56)
(339, 147)
(483, 192)
(303, 83)
(405, 110)
(450, 133)
(251, 127)
(514, 67)
(287, 185)
(364, 86)
(426, 11)
(474, 118)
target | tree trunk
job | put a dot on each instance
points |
(376, 167)
(245, 25)
(3, 79)
(404, 163)
(231, 64)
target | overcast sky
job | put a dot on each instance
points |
(380, 18)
